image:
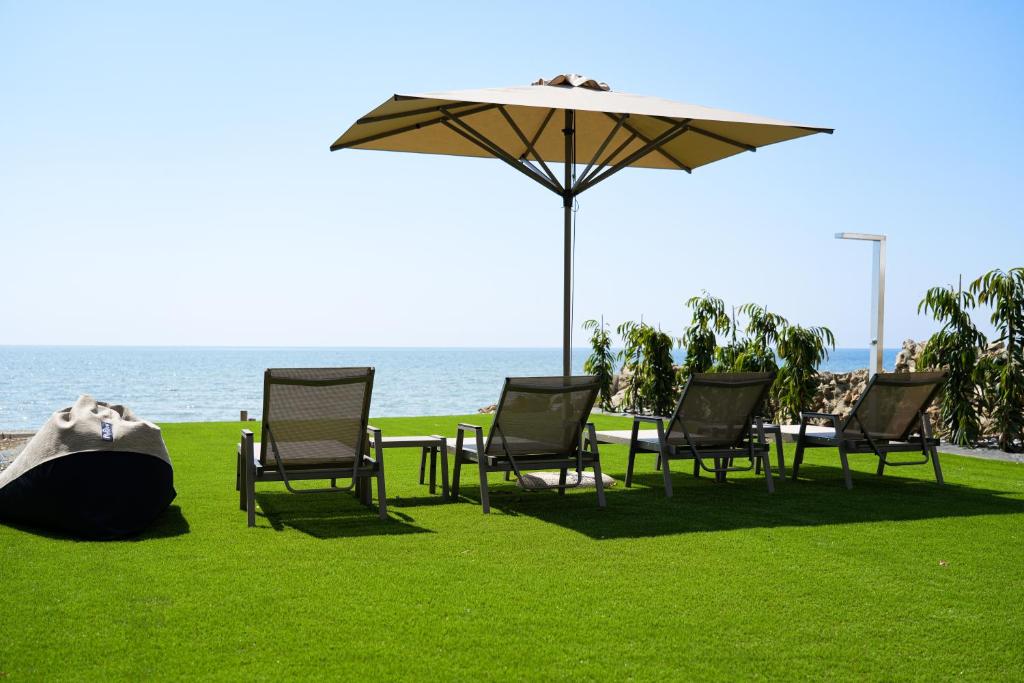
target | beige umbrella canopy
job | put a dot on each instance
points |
(570, 120)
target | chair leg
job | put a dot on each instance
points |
(423, 464)
(382, 500)
(936, 466)
(666, 476)
(456, 471)
(250, 493)
(846, 467)
(696, 467)
(599, 483)
(881, 465)
(562, 474)
(433, 470)
(239, 481)
(485, 498)
(798, 458)
(445, 489)
(629, 467)
(657, 463)
(780, 455)
(768, 471)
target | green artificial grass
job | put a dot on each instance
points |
(897, 579)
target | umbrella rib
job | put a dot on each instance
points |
(405, 129)
(713, 136)
(483, 143)
(607, 160)
(662, 152)
(654, 145)
(600, 150)
(529, 145)
(722, 138)
(412, 112)
(543, 125)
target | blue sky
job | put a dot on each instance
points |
(165, 175)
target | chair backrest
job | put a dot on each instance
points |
(891, 403)
(717, 408)
(315, 414)
(538, 415)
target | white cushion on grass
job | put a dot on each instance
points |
(546, 479)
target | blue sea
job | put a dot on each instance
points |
(185, 384)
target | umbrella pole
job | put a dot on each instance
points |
(567, 198)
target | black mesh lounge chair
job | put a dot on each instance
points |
(538, 425)
(314, 427)
(889, 417)
(715, 419)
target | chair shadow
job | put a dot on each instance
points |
(702, 505)
(169, 524)
(332, 515)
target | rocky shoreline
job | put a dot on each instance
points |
(11, 444)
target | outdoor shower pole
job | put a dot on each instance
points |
(877, 295)
(567, 197)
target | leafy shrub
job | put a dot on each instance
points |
(1003, 375)
(601, 362)
(955, 347)
(647, 354)
(802, 350)
(708, 318)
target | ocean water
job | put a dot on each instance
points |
(183, 384)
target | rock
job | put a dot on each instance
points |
(487, 410)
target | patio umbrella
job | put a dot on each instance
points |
(572, 120)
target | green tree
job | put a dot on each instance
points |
(802, 350)
(657, 385)
(753, 353)
(647, 354)
(601, 362)
(1004, 293)
(955, 348)
(631, 356)
(708, 318)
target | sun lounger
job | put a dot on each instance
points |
(714, 420)
(889, 417)
(314, 428)
(539, 424)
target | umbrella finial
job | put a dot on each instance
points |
(574, 81)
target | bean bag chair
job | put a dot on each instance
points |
(93, 471)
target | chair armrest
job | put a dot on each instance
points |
(478, 437)
(653, 419)
(378, 445)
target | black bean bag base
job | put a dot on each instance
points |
(95, 495)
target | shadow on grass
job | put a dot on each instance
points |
(700, 505)
(169, 524)
(332, 515)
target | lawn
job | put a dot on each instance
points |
(897, 579)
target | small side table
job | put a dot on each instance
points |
(428, 445)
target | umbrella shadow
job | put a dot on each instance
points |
(702, 505)
(332, 515)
